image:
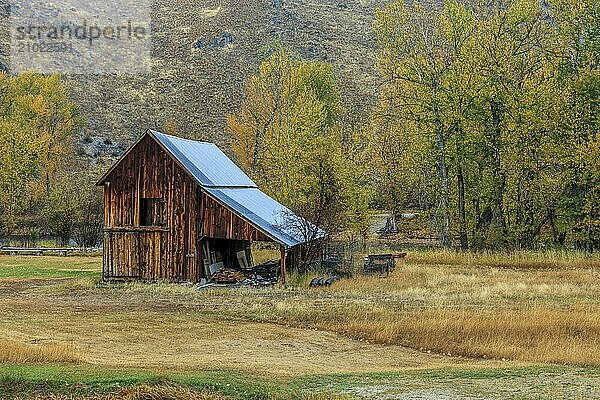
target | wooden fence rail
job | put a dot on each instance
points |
(40, 251)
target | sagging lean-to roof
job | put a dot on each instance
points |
(221, 179)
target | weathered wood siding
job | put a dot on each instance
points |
(219, 222)
(159, 252)
(171, 251)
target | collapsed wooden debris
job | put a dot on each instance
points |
(264, 274)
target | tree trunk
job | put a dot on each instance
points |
(496, 110)
(255, 154)
(464, 244)
(444, 225)
(557, 237)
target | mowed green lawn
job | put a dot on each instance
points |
(44, 267)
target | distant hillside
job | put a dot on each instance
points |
(202, 55)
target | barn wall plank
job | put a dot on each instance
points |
(170, 252)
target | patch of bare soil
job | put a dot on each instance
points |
(265, 348)
(128, 331)
(540, 385)
(386, 392)
(14, 286)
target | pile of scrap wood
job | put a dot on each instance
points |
(381, 263)
(267, 269)
(228, 275)
(332, 266)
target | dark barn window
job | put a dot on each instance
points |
(151, 212)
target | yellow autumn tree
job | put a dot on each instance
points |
(37, 124)
(288, 139)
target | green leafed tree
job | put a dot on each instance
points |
(578, 23)
(73, 209)
(421, 62)
(483, 111)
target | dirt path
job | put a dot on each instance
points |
(192, 342)
(139, 330)
(265, 348)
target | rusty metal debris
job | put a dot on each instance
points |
(381, 263)
(322, 281)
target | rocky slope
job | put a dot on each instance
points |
(203, 53)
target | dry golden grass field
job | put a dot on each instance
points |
(441, 326)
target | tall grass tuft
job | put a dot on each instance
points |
(545, 259)
(14, 352)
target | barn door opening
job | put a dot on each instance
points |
(224, 253)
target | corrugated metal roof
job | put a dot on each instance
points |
(205, 161)
(263, 211)
(226, 182)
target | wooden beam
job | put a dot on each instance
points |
(138, 199)
(283, 256)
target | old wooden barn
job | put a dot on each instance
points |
(175, 208)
